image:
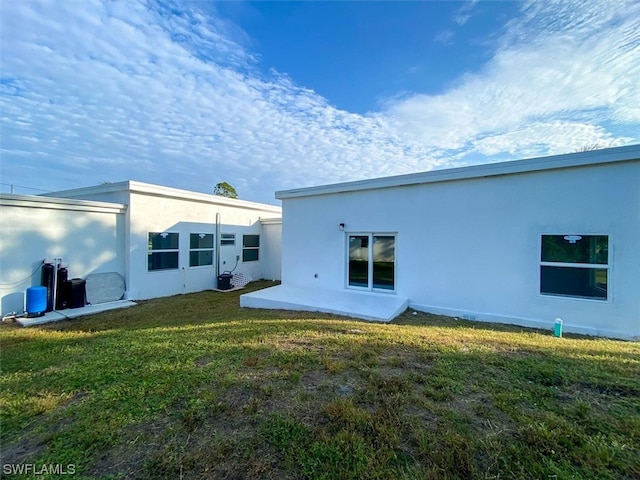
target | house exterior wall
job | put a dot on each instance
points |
(151, 213)
(153, 208)
(272, 244)
(471, 247)
(88, 236)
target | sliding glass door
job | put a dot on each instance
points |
(372, 261)
(384, 264)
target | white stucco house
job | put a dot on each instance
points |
(163, 241)
(521, 242)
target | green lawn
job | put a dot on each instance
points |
(194, 387)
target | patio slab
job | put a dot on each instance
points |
(377, 307)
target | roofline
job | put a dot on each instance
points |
(35, 201)
(131, 186)
(569, 160)
(271, 221)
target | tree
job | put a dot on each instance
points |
(223, 189)
(590, 148)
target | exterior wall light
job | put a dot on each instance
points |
(341, 227)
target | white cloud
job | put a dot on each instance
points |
(464, 13)
(113, 93)
(546, 138)
(95, 91)
(445, 37)
(579, 61)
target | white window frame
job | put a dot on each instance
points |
(212, 250)
(599, 266)
(163, 250)
(370, 287)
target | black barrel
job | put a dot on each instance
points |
(77, 291)
(62, 299)
(47, 281)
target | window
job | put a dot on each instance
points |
(250, 248)
(162, 251)
(227, 239)
(575, 266)
(372, 261)
(200, 249)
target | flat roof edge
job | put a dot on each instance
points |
(169, 192)
(150, 189)
(271, 221)
(567, 160)
(36, 201)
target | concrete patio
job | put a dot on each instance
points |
(377, 307)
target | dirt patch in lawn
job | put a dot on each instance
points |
(33, 441)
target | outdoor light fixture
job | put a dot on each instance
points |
(341, 227)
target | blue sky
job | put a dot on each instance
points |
(358, 54)
(270, 96)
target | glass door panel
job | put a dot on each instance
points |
(384, 247)
(359, 261)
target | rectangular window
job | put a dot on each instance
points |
(250, 248)
(200, 249)
(227, 239)
(372, 261)
(575, 266)
(162, 251)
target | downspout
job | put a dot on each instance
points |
(57, 263)
(217, 245)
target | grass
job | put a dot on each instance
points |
(192, 386)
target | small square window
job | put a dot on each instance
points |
(200, 240)
(227, 239)
(200, 258)
(162, 261)
(163, 241)
(250, 255)
(250, 241)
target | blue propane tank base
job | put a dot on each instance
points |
(35, 315)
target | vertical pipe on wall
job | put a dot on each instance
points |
(217, 245)
(57, 263)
